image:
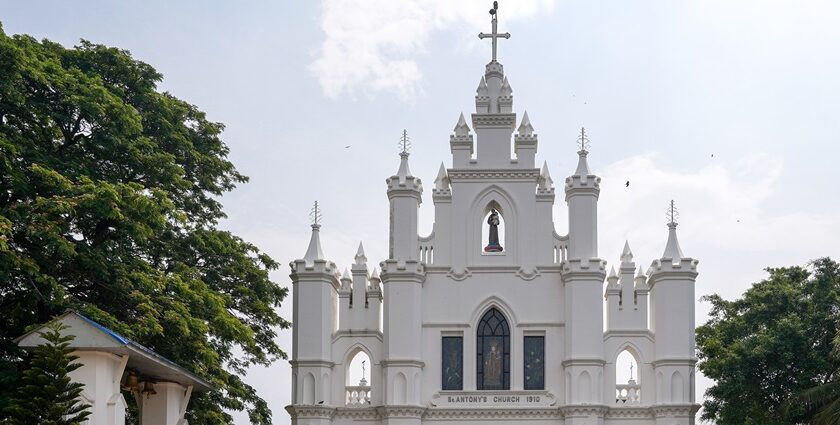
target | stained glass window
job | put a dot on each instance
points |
(493, 352)
(534, 348)
(452, 363)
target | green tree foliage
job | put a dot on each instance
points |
(45, 394)
(768, 347)
(109, 205)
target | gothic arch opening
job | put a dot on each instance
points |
(627, 382)
(358, 377)
(493, 352)
(493, 229)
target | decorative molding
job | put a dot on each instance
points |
(349, 333)
(584, 410)
(310, 411)
(459, 275)
(584, 362)
(492, 414)
(402, 362)
(669, 410)
(407, 411)
(528, 275)
(311, 363)
(494, 121)
(674, 361)
(460, 174)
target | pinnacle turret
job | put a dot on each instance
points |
(360, 255)
(545, 178)
(672, 247)
(442, 179)
(314, 252)
(461, 128)
(626, 254)
(525, 127)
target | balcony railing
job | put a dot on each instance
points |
(357, 396)
(629, 393)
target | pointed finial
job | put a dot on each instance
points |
(505, 90)
(626, 254)
(545, 178)
(360, 255)
(672, 247)
(461, 128)
(405, 143)
(583, 140)
(315, 215)
(612, 272)
(640, 273)
(442, 179)
(375, 274)
(525, 128)
(346, 274)
(314, 251)
(482, 89)
(672, 215)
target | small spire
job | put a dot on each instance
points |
(640, 273)
(442, 180)
(461, 128)
(314, 252)
(612, 273)
(375, 274)
(506, 90)
(525, 128)
(583, 166)
(404, 172)
(545, 178)
(626, 254)
(360, 255)
(672, 247)
(405, 142)
(346, 274)
(482, 90)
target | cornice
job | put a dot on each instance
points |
(310, 411)
(350, 333)
(311, 363)
(591, 361)
(584, 410)
(492, 414)
(674, 361)
(407, 411)
(494, 121)
(402, 362)
(667, 410)
(461, 174)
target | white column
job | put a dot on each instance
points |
(101, 374)
(168, 406)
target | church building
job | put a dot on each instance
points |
(494, 316)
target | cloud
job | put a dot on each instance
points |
(372, 46)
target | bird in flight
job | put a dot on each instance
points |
(627, 184)
(346, 147)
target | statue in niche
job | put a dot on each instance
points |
(493, 221)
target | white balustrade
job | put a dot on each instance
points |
(629, 393)
(357, 396)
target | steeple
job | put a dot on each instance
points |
(314, 252)
(405, 145)
(672, 247)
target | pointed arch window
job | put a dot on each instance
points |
(493, 352)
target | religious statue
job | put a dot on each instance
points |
(493, 221)
(493, 365)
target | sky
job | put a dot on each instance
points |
(729, 107)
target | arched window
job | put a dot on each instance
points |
(493, 352)
(627, 385)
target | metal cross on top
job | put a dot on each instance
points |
(672, 214)
(494, 35)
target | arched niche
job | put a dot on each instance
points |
(501, 242)
(400, 388)
(491, 197)
(308, 389)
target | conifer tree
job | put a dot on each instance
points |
(47, 396)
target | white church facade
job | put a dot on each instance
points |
(494, 316)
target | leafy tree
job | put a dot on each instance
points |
(765, 349)
(109, 204)
(46, 395)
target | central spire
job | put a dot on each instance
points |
(494, 36)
